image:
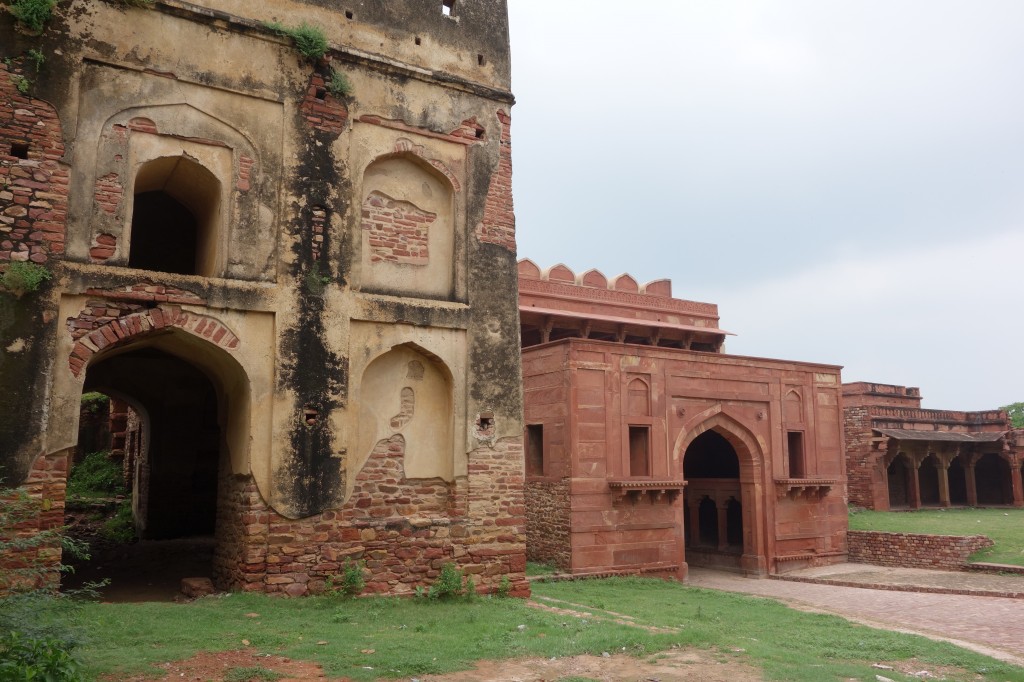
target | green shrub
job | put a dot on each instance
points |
(37, 58)
(339, 85)
(448, 584)
(33, 15)
(27, 658)
(504, 587)
(316, 283)
(95, 402)
(121, 526)
(308, 39)
(22, 276)
(96, 476)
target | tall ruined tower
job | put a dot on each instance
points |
(295, 262)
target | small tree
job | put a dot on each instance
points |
(1016, 412)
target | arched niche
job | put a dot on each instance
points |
(408, 392)
(638, 398)
(407, 229)
(793, 408)
(176, 223)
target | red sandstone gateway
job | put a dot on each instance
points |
(649, 449)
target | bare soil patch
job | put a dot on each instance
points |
(668, 666)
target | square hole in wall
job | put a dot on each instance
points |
(448, 8)
(348, 14)
(480, 60)
(19, 150)
(419, 41)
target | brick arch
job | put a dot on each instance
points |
(123, 328)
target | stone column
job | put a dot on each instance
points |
(915, 485)
(972, 488)
(695, 522)
(943, 470)
(723, 524)
(1017, 484)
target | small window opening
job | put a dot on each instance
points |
(164, 235)
(348, 14)
(479, 133)
(448, 8)
(795, 444)
(486, 421)
(19, 150)
(639, 451)
(309, 416)
(419, 41)
(480, 60)
(321, 93)
(535, 450)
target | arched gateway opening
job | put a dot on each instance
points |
(720, 520)
(190, 403)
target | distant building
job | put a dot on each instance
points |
(900, 456)
(648, 449)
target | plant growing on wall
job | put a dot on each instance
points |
(32, 15)
(22, 277)
(339, 85)
(309, 40)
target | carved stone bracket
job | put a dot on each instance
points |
(637, 488)
(809, 488)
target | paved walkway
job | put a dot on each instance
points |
(987, 624)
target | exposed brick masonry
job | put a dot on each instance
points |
(33, 190)
(944, 552)
(103, 323)
(403, 530)
(46, 484)
(499, 223)
(398, 230)
(859, 464)
(321, 109)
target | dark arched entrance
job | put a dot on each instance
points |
(992, 480)
(186, 395)
(714, 514)
(898, 475)
(928, 479)
(957, 474)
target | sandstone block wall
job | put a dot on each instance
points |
(908, 550)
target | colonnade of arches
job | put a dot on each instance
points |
(947, 479)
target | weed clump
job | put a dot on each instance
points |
(448, 584)
(22, 277)
(308, 39)
(339, 85)
(96, 476)
(32, 15)
(350, 582)
(120, 527)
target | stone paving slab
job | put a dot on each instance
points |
(990, 625)
(911, 580)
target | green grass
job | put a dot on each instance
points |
(1004, 526)
(368, 638)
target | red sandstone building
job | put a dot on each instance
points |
(648, 449)
(900, 456)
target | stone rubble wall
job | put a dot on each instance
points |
(547, 523)
(908, 550)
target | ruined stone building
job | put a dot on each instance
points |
(649, 449)
(900, 456)
(298, 270)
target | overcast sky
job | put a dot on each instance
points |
(845, 179)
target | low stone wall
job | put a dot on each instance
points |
(943, 552)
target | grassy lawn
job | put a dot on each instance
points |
(1004, 526)
(369, 638)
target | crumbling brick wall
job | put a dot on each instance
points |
(908, 550)
(33, 182)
